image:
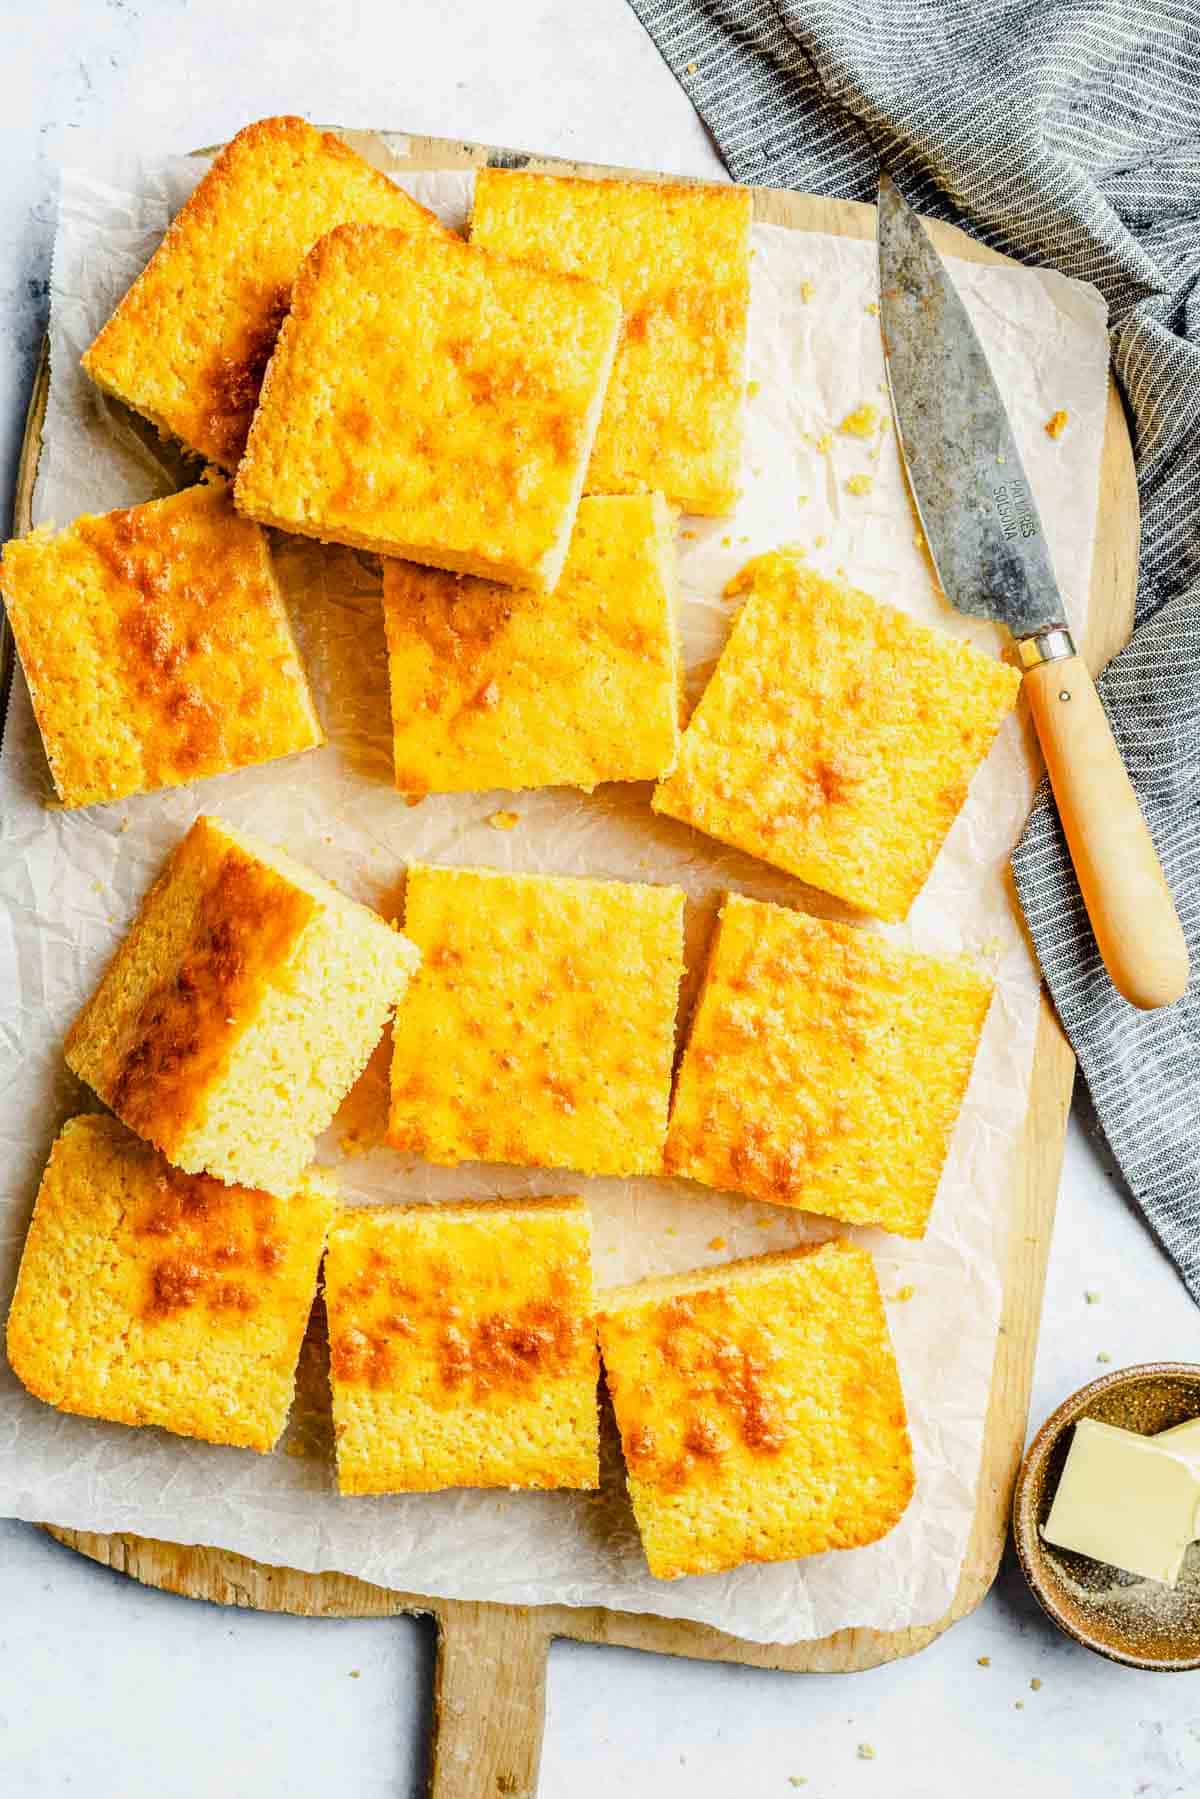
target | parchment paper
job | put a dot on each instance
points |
(69, 884)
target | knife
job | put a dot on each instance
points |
(989, 550)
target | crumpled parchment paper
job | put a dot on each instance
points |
(69, 884)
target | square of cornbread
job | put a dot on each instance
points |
(678, 256)
(148, 1296)
(492, 687)
(188, 345)
(760, 1409)
(432, 402)
(824, 1068)
(541, 1028)
(239, 1010)
(156, 647)
(463, 1346)
(837, 737)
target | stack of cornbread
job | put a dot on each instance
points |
(512, 423)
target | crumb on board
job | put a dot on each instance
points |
(690, 535)
(862, 422)
(124, 825)
(905, 1293)
(860, 484)
(818, 543)
(503, 821)
(1057, 423)
(802, 500)
(716, 1242)
(825, 443)
(726, 543)
(807, 290)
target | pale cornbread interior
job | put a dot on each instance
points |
(759, 1407)
(147, 1296)
(240, 1009)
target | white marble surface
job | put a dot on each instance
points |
(117, 1693)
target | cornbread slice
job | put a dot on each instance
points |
(678, 255)
(463, 1346)
(188, 345)
(148, 1296)
(760, 1409)
(156, 647)
(813, 1046)
(496, 688)
(837, 737)
(431, 402)
(239, 1010)
(541, 1028)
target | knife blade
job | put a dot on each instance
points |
(989, 550)
(972, 496)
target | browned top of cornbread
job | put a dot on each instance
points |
(496, 688)
(431, 402)
(837, 737)
(462, 1345)
(156, 646)
(211, 932)
(150, 1296)
(678, 255)
(189, 343)
(759, 1408)
(814, 1044)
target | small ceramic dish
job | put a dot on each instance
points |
(1139, 1622)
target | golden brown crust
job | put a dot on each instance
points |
(433, 403)
(164, 1054)
(811, 1045)
(837, 737)
(678, 256)
(190, 341)
(156, 647)
(759, 1408)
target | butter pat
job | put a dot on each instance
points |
(1127, 1500)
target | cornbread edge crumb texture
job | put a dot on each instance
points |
(541, 1028)
(156, 646)
(837, 737)
(431, 402)
(463, 1346)
(491, 687)
(188, 345)
(148, 1296)
(240, 1009)
(812, 1047)
(678, 256)
(760, 1409)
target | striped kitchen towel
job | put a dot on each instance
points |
(1066, 134)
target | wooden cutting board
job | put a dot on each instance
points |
(490, 1683)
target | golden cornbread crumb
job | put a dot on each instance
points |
(239, 1010)
(504, 821)
(541, 1028)
(432, 402)
(678, 256)
(1057, 423)
(860, 484)
(807, 290)
(496, 688)
(759, 1408)
(156, 647)
(811, 1045)
(837, 737)
(148, 1296)
(825, 443)
(862, 422)
(190, 342)
(463, 1346)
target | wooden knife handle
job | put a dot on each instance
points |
(1124, 889)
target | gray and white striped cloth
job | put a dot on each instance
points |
(1064, 132)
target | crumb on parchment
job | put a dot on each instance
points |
(1035, 1685)
(1104, 1356)
(825, 443)
(503, 821)
(860, 484)
(716, 1242)
(1057, 423)
(904, 1293)
(807, 290)
(1091, 1296)
(984, 1661)
(873, 308)
(866, 1752)
(862, 422)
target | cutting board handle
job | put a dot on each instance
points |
(1124, 889)
(489, 1702)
